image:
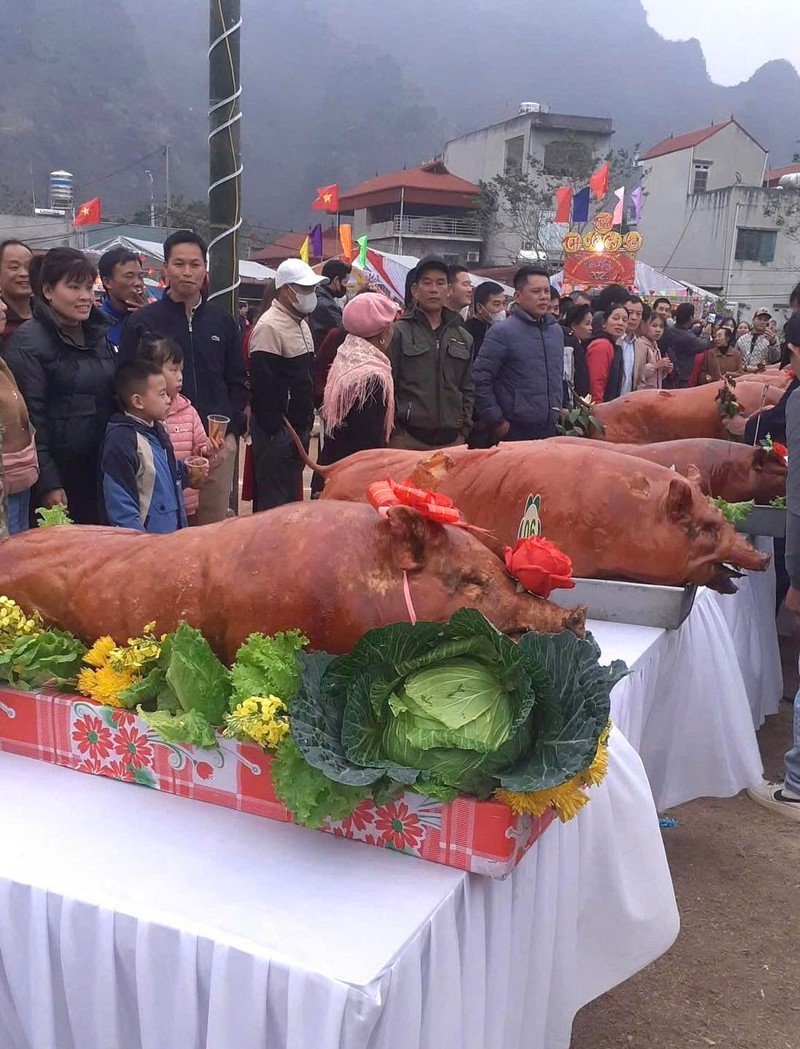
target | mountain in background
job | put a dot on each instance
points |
(334, 93)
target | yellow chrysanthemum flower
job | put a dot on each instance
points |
(568, 799)
(14, 623)
(98, 654)
(104, 685)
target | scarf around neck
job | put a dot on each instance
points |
(358, 365)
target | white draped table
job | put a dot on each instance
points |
(684, 706)
(131, 919)
(750, 615)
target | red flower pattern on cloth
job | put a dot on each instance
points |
(121, 770)
(539, 565)
(123, 718)
(360, 818)
(93, 765)
(398, 826)
(134, 748)
(204, 770)
(92, 737)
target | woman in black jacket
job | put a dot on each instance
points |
(577, 336)
(64, 367)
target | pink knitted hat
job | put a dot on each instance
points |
(368, 314)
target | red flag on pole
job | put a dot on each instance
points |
(563, 203)
(327, 199)
(89, 214)
(599, 182)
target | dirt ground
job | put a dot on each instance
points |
(727, 980)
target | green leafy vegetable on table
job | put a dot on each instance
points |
(449, 708)
(779, 502)
(51, 657)
(268, 666)
(734, 513)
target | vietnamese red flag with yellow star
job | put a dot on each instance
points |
(89, 214)
(327, 199)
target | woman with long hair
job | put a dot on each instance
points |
(577, 336)
(604, 354)
(64, 367)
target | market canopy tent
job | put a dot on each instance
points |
(252, 272)
(649, 281)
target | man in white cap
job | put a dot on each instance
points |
(281, 354)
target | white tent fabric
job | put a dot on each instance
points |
(251, 271)
(389, 272)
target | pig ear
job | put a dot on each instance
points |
(761, 456)
(679, 500)
(409, 538)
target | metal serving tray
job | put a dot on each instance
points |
(764, 520)
(641, 604)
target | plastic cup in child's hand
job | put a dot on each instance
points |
(197, 471)
(217, 428)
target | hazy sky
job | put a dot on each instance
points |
(737, 36)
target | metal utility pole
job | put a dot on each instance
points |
(152, 198)
(225, 166)
(168, 201)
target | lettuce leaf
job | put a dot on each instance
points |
(52, 657)
(197, 678)
(268, 666)
(189, 727)
(308, 793)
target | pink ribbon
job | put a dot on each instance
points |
(412, 615)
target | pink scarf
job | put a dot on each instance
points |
(358, 365)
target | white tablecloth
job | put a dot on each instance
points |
(684, 706)
(136, 920)
(750, 615)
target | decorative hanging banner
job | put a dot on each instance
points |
(346, 240)
(363, 244)
(563, 204)
(637, 200)
(580, 206)
(304, 251)
(315, 241)
(600, 256)
(619, 208)
(599, 182)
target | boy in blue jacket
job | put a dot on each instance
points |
(142, 483)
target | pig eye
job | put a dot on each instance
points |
(474, 579)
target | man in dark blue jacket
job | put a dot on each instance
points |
(519, 374)
(213, 369)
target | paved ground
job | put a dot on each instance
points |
(728, 981)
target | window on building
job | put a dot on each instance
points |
(756, 245)
(515, 153)
(701, 178)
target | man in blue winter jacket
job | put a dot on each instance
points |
(519, 374)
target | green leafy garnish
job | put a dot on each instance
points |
(54, 515)
(779, 502)
(453, 708)
(268, 666)
(52, 657)
(308, 793)
(734, 513)
(189, 727)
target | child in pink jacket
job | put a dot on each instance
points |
(183, 424)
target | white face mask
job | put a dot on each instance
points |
(495, 318)
(305, 302)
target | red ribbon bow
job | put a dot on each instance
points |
(383, 495)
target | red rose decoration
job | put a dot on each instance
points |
(781, 450)
(540, 566)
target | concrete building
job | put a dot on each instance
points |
(564, 145)
(418, 211)
(39, 231)
(707, 217)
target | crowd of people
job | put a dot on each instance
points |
(104, 403)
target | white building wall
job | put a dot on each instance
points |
(731, 152)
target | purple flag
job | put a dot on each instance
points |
(636, 200)
(315, 241)
(580, 206)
